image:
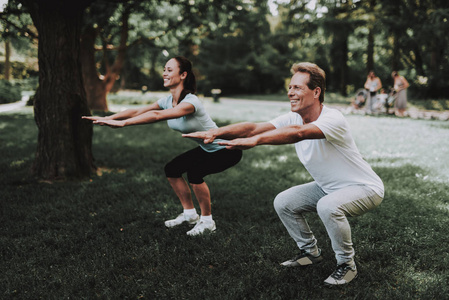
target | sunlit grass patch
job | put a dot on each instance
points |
(105, 238)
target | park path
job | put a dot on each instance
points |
(412, 112)
(15, 105)
(345, 109)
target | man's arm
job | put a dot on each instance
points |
(285, 135)
(233, 131)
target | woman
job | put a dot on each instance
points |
(185, 113)
(372, 84)
(400, 86)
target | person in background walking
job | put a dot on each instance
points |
(400, 87)
(372, 84)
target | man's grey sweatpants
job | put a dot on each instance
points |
(332, 208)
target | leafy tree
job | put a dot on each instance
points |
(237, 57)
(17, 31)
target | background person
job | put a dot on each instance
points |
(400, 87)
(360, 99)
(184, 112)
(344, 184)
(372, 84)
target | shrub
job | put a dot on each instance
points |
(9, 92)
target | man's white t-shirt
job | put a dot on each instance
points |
(333, 162)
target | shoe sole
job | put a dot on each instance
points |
(188, 222)
(206, 231)
(330, 285)
(304, 262)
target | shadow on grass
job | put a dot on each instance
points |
(105, 238)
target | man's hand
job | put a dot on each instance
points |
(242, 143)
(207, 136)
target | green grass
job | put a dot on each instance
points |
(104, 238)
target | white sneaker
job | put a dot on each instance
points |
(342, 275)
(201, 227)
(181, 219)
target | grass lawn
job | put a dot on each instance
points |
(105, 238)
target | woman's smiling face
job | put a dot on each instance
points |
(171, 75)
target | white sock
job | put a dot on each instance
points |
(189, 213)
(206, 218)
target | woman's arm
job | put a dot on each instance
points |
(150, 116)
(126, 114)
(379, 84)
(367, 83)
(405, 82)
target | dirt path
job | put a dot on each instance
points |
(412, 112)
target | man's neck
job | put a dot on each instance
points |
(313, 114)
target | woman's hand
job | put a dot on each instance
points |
(104, 121)
(93, 118)
(207, 136)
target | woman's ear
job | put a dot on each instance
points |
(184, 75)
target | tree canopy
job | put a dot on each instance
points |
(89, 47)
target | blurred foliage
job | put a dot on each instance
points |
(9, 92)
(241, 46)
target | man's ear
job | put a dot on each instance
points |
(317, 92)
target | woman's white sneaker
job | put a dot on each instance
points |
(181, 219)
(202, 227)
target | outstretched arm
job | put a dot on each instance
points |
(285, 135)
(233, 131)
(126, 114)
(148, 116)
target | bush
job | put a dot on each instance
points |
(9, 92)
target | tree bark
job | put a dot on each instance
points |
(64, 139)
(93, 84)
(7, 72)
(370, 50)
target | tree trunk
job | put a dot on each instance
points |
(64, 139)
(395, 64)
(93, 84)
(7, 72)
(97, 87)
(370, 50)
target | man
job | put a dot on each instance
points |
(344, 184)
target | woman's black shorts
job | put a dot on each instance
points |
(198, 163)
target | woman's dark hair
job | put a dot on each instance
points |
(190, 82)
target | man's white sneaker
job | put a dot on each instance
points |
(181, 219)
(303, 259)
(342, 275)
(202, 227)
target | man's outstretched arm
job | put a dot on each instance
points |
(240, 130)
(285, 135)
